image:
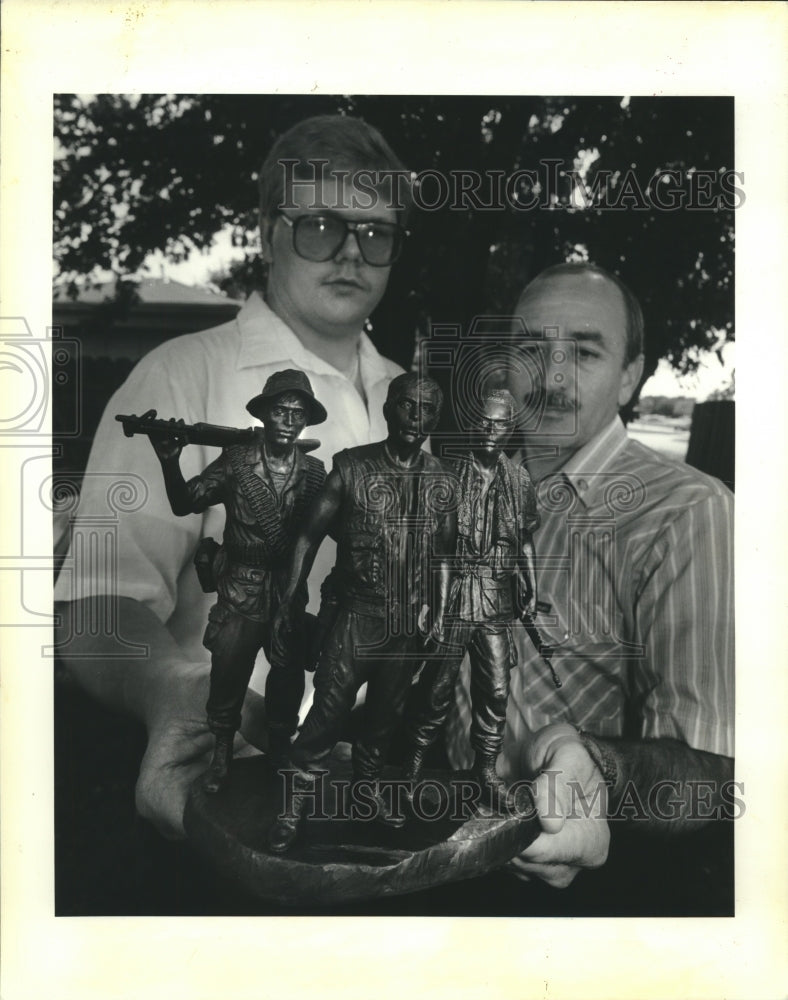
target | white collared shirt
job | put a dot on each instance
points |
(207, 376)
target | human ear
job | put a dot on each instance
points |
(266, 238)
(629, 382)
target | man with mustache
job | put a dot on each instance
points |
(328, 240)
(634, 561)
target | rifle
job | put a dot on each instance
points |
(544, 649)
(200, 433)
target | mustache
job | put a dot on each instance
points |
(551, 399)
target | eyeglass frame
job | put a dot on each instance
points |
(350, 227)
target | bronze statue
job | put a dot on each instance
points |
(266, 483)
(389, 506)
(493, 584)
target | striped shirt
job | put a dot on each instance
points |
(635, 558)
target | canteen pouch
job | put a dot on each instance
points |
(205, 563)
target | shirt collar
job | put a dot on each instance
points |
(373, 366)
(474, 468)
(268, 340)
(585, 468)
(255, 458)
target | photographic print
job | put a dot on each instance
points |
(370, 449)
(633, 197)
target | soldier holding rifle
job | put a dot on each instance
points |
(265, 486)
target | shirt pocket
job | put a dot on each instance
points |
(496, 597)
(217, 617)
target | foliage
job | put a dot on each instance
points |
(666, 406)
(135, 174)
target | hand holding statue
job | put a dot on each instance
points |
(570, 805)
(180, 745)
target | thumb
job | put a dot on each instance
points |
(254, 726)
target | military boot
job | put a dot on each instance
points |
(411, 771)
(367, 764)
(413, 766)
(278, 752)
(286, 829)
(494, 793)
(219, 767)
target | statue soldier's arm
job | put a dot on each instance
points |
(200, 492)
(317, 521)
(444, 547)
(527, 585)
(527, 579)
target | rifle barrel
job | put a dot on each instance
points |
(216, 435)
(200, 433)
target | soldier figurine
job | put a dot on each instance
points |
(265, 486)
(389, 505)
(493, 583)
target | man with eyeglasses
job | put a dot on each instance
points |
(333, 205)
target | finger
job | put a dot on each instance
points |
(254, 727)
(546, 850)
(582, 843)
(558, 876)
(162, 801)
(517, 868)
(549, 792)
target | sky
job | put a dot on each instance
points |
(710, 377)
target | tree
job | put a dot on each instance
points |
(138, 173)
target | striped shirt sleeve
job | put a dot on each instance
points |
(684, 617)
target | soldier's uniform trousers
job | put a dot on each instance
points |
(492, 655)
(234, 641)
(382, 651)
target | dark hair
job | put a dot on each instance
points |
(634, 314)
(346, 143)
(410, 380)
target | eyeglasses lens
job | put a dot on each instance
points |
(319, 237)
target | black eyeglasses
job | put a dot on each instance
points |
(320, 237)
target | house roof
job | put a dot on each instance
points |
(151, 291)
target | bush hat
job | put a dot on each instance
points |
(289, 380)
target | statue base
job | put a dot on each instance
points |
(342, 854)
